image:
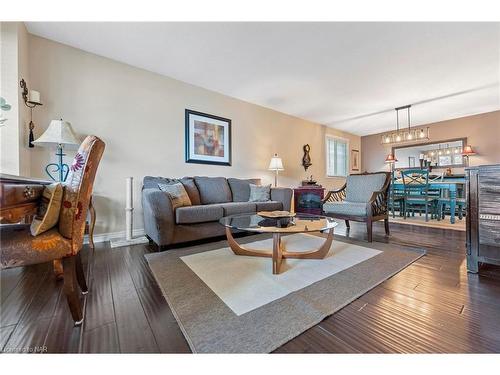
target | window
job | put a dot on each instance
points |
(337, 160)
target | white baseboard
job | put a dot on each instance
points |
(103, 237)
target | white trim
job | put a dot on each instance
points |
(103, 237)
(348, 155)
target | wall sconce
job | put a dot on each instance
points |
(31, 100)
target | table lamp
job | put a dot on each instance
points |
(276, 165)
(466, 153)
(391, 159)
(58, 133)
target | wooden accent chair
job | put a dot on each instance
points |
(20, 248)
(362, 198)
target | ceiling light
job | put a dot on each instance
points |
(406, 135)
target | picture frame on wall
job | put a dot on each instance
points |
(354, 160)
(208, 138)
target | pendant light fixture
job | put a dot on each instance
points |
(406, 136)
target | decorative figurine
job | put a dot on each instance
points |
(309, 182)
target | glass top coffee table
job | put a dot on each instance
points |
(301, 223)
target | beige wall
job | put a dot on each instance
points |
(14, 154)
(140, 116)
(482, 132)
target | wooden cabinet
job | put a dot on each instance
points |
(19, 198)
(483, 216)
(308, 200)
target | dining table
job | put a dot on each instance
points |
(453, 185)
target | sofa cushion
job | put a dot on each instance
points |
(188, 182)
(260, 193)
(177, 194)
(345, 208)
(213, 190)
(198, 214)
(241, 188)
(235, 208)
(361, 187)
(191, 189)
(152, 182)
(269, 206)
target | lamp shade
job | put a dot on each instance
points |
(59, 132)
(390, 159)
(468, 151)
(276, 163)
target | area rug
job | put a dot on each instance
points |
(420, 221)
(233, 304)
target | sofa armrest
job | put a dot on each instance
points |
(283, 195)
(159, 218)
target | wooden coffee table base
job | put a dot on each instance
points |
(279, 253)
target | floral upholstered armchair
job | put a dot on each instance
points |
(362, 198)
(20, 248)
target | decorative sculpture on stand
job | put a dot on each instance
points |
(306, 159)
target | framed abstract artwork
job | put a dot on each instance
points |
(208, 138)
(355, 160)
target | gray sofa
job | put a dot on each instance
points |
(212, 198)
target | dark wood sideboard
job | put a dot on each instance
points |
(483, 216)
(309, 199)
(19, 198)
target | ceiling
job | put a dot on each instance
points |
(349, 76)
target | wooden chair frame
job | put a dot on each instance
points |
(376, 207)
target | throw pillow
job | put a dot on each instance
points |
(47, 214)
(177, 193)
(260, 193)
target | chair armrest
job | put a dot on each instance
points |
(159, 217)
(283, 195)
(335, 195)
(377, 205)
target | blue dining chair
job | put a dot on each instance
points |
(444, 203)
(417, 195)
(396, 196)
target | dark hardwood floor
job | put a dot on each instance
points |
(432, 306)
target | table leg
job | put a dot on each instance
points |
(453, 203)
(277, 253)
(312, 254)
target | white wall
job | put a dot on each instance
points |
(15, 158)
(140, 116)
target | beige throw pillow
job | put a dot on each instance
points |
(47, 214)
(177, 193)
(260, 193)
